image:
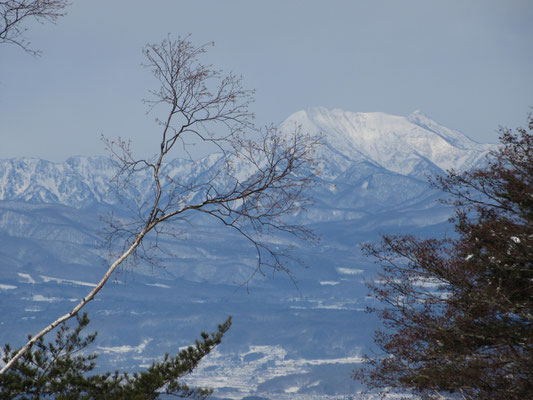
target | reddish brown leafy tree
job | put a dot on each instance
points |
(459, 312)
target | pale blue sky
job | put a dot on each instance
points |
(466, 64)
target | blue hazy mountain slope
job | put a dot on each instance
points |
(287, 341)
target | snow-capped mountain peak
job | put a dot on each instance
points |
(398, 144)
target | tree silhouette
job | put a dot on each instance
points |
(459, 312)
(60, 370)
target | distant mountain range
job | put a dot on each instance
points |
(366, 156)
(286, 343)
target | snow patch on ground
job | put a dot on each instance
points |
(40, 297)
(47, 279)
(28, 278)
(349, 271)
(7, 287)
(126, 349)
(293, 389)
(428, 283)
(160, 285)
(220, 370)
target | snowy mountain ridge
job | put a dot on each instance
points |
(355, 143)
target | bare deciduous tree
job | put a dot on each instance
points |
(257, 178)
(14, 14)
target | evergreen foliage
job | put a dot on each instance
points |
(459, 312)
(59, 370)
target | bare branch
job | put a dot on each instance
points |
(14, 14)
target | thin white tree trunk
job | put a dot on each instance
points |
(79, 306)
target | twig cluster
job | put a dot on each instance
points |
(15, 14)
